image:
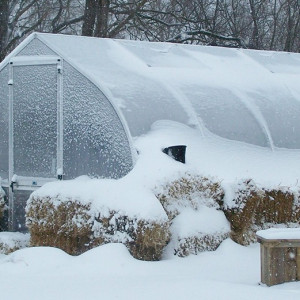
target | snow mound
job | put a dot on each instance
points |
(12, 241)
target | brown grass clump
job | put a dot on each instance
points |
(190, 191)
(275, 206)
(3, 211)
(242, 215)
(144, 239)
(256, 208)
(13, 241)
(196, 244)
(66, 226)
(149, 240)
(2, 203)
(75, 228)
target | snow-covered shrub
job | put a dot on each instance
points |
(63, 224)
(149, 240)
(12, 241)
(192, 203)
(145, 239)
(190, 190)
(76, 227)
(2, 205)
(195, 231)
(241, 210)
(254, 208)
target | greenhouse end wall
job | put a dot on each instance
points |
(4, 109)
(95, 142)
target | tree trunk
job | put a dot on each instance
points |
(255, 33)
(102, 18)
(89, 18)
(4, 12)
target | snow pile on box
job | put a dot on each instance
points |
(12, 241)
(80, 214)
(192, 203)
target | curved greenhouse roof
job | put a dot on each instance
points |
(244, 95)
(70, 105)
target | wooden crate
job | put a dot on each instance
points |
(280, 260)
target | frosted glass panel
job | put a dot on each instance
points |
(95, 142)
(35, 120)
(4, 123)
(282, 114)
(36, 47)
(225, 115)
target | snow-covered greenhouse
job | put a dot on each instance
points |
(70, 105)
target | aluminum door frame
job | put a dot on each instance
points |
(35, 182)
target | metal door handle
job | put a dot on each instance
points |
(12, 185)
(14, 180)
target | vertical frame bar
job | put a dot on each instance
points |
(60, 130)
(10, 149)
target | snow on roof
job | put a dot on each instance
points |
(245, 95)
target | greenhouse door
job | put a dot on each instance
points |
(34, 131)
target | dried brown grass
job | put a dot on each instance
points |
(189, 191)
(13, 241)
(65, 226)
(72, 227)
(196, 244)
(149, 240)
(2, 203)
(3, 211)
(255, 207)
(192, 191)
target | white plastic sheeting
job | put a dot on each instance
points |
(93, 133)
(245, 95)
(35, 120)
(4, 124)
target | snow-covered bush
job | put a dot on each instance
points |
(145, 239)
(192, 203)
(2, 205)
(63, 224)
(67, 220)
(254, 208)
(12, 241)
(195, 231)
(190, 190)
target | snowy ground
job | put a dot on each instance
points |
(109, 272)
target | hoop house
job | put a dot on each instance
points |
(70, 105)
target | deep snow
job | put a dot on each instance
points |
(109, 272)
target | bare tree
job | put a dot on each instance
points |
(20, 18)
(259, 24)
(4, 14)
(109, 18)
